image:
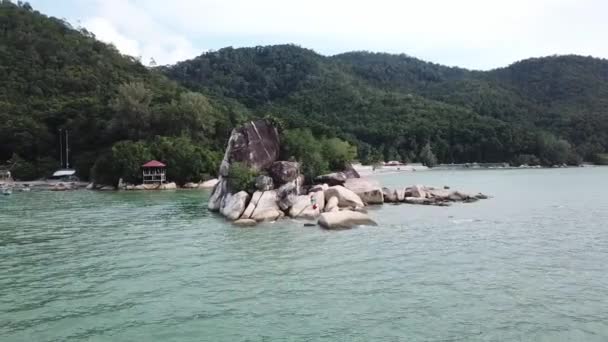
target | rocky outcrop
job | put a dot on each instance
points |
(255, 144)
(346, 198)
(190, 185)
(264, 183)
(234, 205)
(344, 220)
(368, 190)
(283, 172)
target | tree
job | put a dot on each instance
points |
(186, 162)
(301, 145)
(338, 153)
(427, 157)
(241, 178)
(132, 106)
(127, 159)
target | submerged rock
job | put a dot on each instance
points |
(245, 223)
(344, 220)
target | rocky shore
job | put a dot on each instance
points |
(337, 200)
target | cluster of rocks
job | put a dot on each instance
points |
(419, 194)
(338, 200)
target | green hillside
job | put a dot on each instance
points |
(549, 110)
(56, 77)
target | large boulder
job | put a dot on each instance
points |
(390, 196)
(264, 183)
(417, 191)
(234, 205)
(346, 198)
(318, 198)
(266, 208)
(332, 204)
(368, 190)
(209, 184)
(350, 172)
(191, 185)
(288, 193)
(217, 196)
(319, 187)
(255, 144)
(168, 186)
(255, 198)
(303, 208)
(332, 179)
(284, 171)
(344, 220)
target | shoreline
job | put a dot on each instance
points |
(367, 170)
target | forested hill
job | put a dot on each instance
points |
(117, 111)
(55, 77)
(548, 110)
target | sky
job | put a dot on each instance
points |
(475, 34)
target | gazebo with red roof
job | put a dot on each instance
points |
(154, 172)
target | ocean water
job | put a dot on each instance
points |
(530, 264)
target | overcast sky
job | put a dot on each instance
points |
(477, 34)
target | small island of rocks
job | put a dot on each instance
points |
(336, 200)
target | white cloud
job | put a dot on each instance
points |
(469, 33)
(137, 33)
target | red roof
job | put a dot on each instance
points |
(154, 163)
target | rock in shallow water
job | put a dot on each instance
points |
(267, 208)
(345, 219)
(368, 190)
(245, 223)
(234, 205)
(346, 198)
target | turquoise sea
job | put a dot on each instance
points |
(530, 264)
